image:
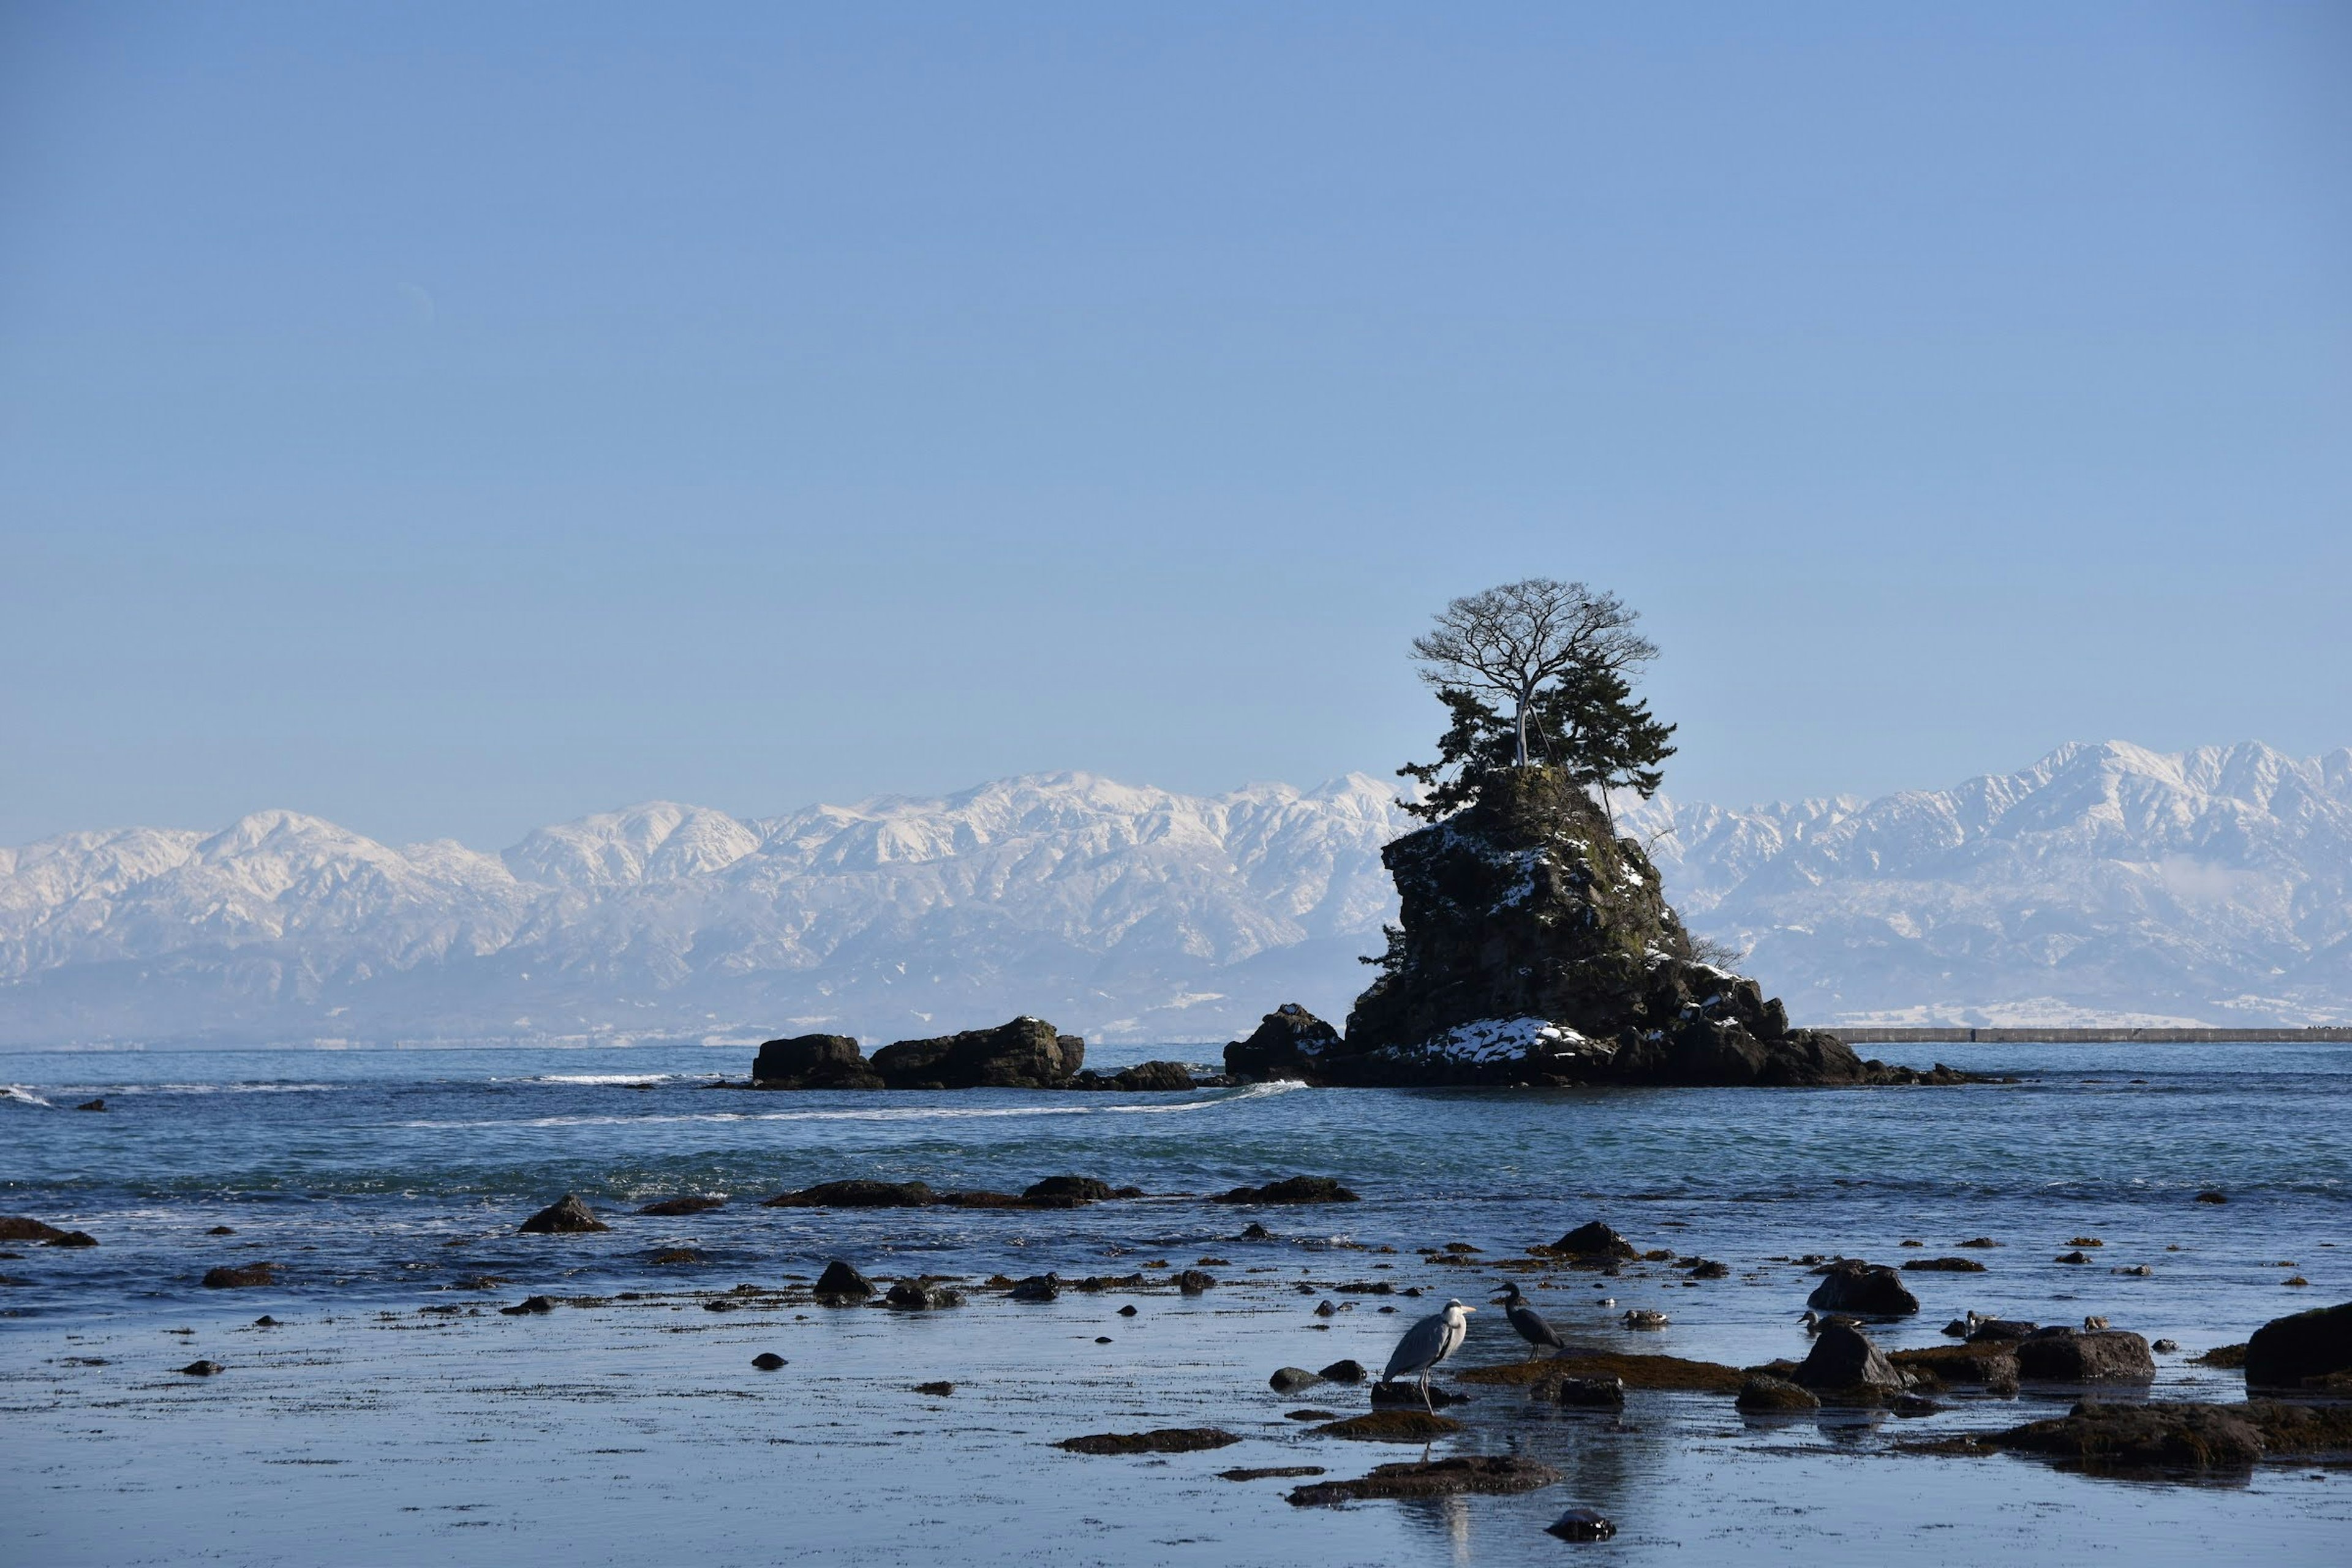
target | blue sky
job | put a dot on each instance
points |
(448, 419)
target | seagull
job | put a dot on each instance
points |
(1529, 1322)
(1426, 1344)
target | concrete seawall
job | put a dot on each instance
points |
(1875, 1035)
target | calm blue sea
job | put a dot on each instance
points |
(350, 1167)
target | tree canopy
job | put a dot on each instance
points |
(1559, 655)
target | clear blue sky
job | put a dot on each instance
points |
(448, 419)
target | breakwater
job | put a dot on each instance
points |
(1904, 1033)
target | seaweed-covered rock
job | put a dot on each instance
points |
(1163, 1440)
(1396, 1424)
(1872, 1290)
(812, 1061)
(921, 1296)
(1482, 1473)
(1026, 1053)
(567, 1216)
(1285, 1045)
(1587, 1393)
(1534, 946)
(2285, 1352)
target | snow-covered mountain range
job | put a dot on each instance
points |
(2105, 882)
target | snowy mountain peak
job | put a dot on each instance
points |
(2102, 881)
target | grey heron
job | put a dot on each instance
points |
(1426, 1344)
(1531, 1327)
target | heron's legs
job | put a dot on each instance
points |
(1425, 1405)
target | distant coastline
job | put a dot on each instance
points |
(1893, 1034)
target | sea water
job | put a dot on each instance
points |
(380, 1182)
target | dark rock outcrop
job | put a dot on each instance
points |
(1349, 1371)
(1286, 1045)
(1157, 1077)
(246, 1278)
(1581, 1524)
(1534, 946)
(2070, 1355)
(528, 1307)
(1873, 1290)
(2286, 1352)
(1024, 1053)
(1844, 1359)
(1291, 1379)
(840, 1285)
(567, 1216)
(921, 1296)
(769, 1360)
(1083, 1189)
(23, 1227)
(1290, 1189)
(674, 1207)
(812, 1061)
(1594, 1239)
(202, 1369)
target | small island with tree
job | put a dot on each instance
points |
(1534, 944)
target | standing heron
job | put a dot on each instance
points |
(1531, 1327)
(1426, 1344)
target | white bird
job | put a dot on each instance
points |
(1426, 1344)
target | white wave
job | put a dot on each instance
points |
(22, 1096)
(1168, 1105)
(605, 1077)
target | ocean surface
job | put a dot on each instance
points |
(382, 1182)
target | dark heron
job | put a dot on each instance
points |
(1529, 1323)
(1426, 1344)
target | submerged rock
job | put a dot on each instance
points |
(675, 1207)
(1026, 1053)
(1945, 1266)
(855, 1194)
(1873, 1290)
(1162, 1440)
(1291, 1379)
(567, 1216)
(1483, 1473)
(202, 1369)
(1268, 1472)
(1286, 1045)
(533, 1305)
(1290, 1189)
(72, 1238)
(1589, 1392)
(2286, 1352)
(1763, 1395)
